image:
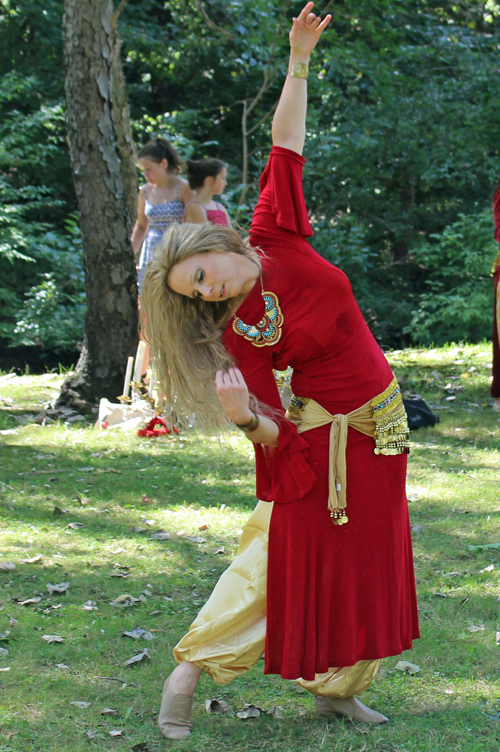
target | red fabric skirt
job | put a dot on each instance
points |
(341, 594)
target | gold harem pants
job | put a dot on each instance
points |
(228, 636)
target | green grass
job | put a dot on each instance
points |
(184, 483)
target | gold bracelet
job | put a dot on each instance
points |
(299, 70)
(252, 424)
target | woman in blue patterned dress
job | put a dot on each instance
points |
(161, 201)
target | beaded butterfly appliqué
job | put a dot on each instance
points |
(268, 330)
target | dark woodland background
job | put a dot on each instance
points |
(403, 151)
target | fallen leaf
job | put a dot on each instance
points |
(410, 668)
(147, 500)
(116, 732)
(139, 529)
(90, 734)
(125, 600)
(123, 575)
(137, 658)
(418, 528)
(51, 638)
(57, 511)
(32, 560)
(498, 638)
(220, 550)
(276, 712)
(216, 706)
(440, 595)
(75, 525)
(147, 592)
(155, 613)
(452, 574)
(60, 588)
(203, 527)
(475, 628)
(449, 691)
(5, 669)
(30, 601)
(194, 538)
(80, 704)
(12, 621)
(4, 652)
(249, 711)
(109, 711)
(138, 633)
(160, 535)
(7, 566)
(90, 606)
(487, 569)
(61, 665)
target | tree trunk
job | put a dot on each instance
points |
(102, 159)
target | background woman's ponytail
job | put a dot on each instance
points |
(159, 149)
(200, 169)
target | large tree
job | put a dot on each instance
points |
(102, 159)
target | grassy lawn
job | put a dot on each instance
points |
(123, 489)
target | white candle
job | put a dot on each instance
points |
(128, 376)
(139, 360)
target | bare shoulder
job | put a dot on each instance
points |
(195, 213)
(185, 193)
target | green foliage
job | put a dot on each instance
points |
(52, 314)
(402, 140)
(457, 303)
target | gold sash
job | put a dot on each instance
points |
(383, 418)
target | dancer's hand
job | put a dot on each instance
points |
(233, 395)
(306, 31)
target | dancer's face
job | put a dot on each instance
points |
(154, 172)
(211, 276)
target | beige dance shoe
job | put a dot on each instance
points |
(174, 720)
(348, 707)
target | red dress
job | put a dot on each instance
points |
(495, 384)
(336, 594)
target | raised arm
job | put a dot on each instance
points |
(289, 122)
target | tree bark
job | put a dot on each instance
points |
(102, 158)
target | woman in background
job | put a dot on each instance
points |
(207, 177)
(162, 199)
(495, 384)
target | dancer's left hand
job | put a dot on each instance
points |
(233, 395)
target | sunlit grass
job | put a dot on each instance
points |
(114, 484)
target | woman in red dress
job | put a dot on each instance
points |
(495, 384)
(330, 473)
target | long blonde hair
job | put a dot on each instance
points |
(184, 333)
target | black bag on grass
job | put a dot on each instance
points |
(419, 414)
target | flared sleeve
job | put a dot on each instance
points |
(283, 473)
(281, 204)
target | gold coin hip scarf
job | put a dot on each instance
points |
(383, 418)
